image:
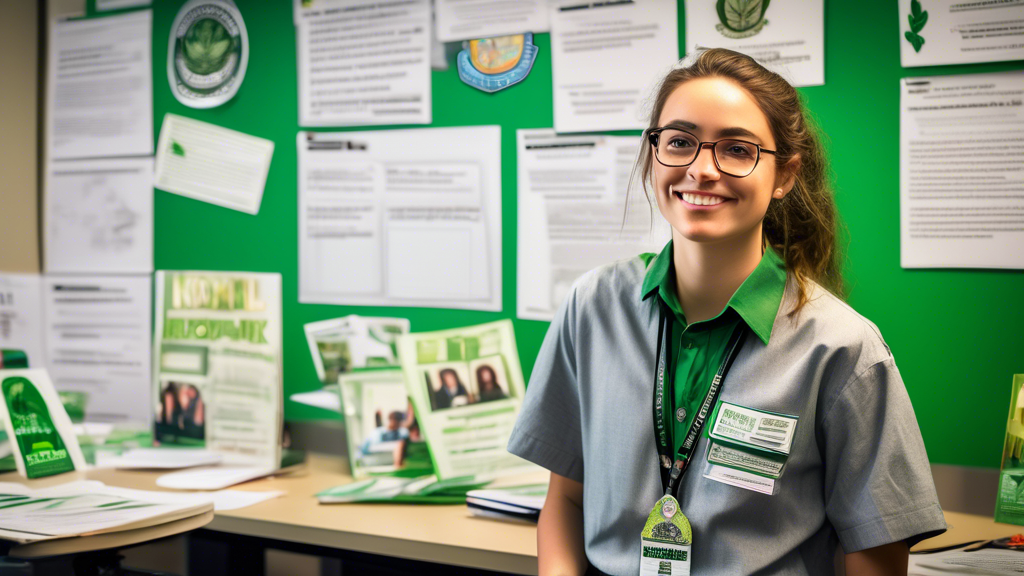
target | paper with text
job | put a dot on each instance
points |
(475, 19)
(401, 218)
(961, 182)
(607, 58)
(936, 32)
(21, 316)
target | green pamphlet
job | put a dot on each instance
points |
(13, 359)
(1010, 497)
(43, 441)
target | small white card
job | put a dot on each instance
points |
(735, 423)
(740, 479)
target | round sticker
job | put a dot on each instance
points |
(669, 509)
(208, 53)
(681, 414)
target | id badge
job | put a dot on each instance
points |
(666, 540)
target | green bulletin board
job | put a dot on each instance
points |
(957, 335)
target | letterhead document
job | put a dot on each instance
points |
(98, 343)
(474, 19)
(99, 216)
(100, 87)
(363, 62)
(606, 58)
(21, 316)
(217, 377)
(401, 218)
(936, 32)
(961, 175)
(575, 214)
(212, 164)
(467, 387)
(785, 36)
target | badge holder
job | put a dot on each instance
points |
(666, 540)
(748, 448)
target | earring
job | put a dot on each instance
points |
(777, 193)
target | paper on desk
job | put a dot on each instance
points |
(100, 87)
(401, 217)
(956, 32)
(473, 19)
(98, 342)
(986, 561)
(363, 62)
(212, 164)
(98, 216)
(235, 499)
(574, 214)
(160, 459)
(961, 183)
(327, 398)
(606, 58)
(21, 316)
(787, 37)
(215, 478)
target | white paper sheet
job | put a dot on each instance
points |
(983, 562)
(328, 398)
(574, 215)
(21, 316)
(473, 19)
(401, 218)
(787, 38)
(961, 183)
(606, 58)
(213, 164)
(98, 342)
(957, 32)
(99, 216)
(73, 508)
(235, 499)
(159, 459)
(363, 62)
(100, 87)
(216, 478)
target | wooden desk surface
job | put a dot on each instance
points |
(442, 534)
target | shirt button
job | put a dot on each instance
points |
(681, 414)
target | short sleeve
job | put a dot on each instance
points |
(547, 432)
(878, 482)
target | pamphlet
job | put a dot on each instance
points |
(43, 443)
(343, 344)
(1010, 497)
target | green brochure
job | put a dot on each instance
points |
(44, 442)
(1010, 497)
(12, 359)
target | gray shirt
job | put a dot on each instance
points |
(857, 473)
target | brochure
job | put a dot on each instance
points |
(1010, 497)
(343, 344)
(217, 365)
(44, 442)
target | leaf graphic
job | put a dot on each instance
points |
(742, 14)
(921, 21)
(914, 39)
(917, 19)
(915, 8)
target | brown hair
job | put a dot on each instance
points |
(801, 226)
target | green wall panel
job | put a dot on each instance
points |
(957, 335)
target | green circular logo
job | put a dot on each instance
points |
(208, 53)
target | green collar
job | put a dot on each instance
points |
(756, 301)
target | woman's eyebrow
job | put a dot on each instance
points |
(683, 124)
(736, 131)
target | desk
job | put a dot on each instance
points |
(438, 534)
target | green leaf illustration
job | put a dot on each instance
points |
(207, 46)
(917, 19)
(740, 15)
(177, 149)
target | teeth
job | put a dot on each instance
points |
(701, 200)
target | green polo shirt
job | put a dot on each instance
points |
(700, 347)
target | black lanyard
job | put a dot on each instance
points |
(682, 459)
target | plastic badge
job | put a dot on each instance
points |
(492, 64)
(666, 540)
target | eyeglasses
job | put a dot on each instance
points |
(676, 148)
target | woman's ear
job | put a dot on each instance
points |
(787, 178)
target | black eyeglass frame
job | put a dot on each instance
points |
(652, 135)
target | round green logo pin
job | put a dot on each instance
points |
(208, 53)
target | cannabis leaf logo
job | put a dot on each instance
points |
(918, 18)
(741, 15)
(207, 46)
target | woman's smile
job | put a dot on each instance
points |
(699, 199)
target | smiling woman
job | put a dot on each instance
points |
(725, 371)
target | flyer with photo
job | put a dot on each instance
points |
(467, 387)
(217, 364)
(344, 344)
(383, 433)
(1010, 497)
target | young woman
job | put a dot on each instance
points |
(746, 287)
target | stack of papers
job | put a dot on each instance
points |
(990, 561)
(515, 503)
(423, 490)
(89, 508)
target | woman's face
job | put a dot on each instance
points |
(486, 377)
(449, 380)
(701, 203)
